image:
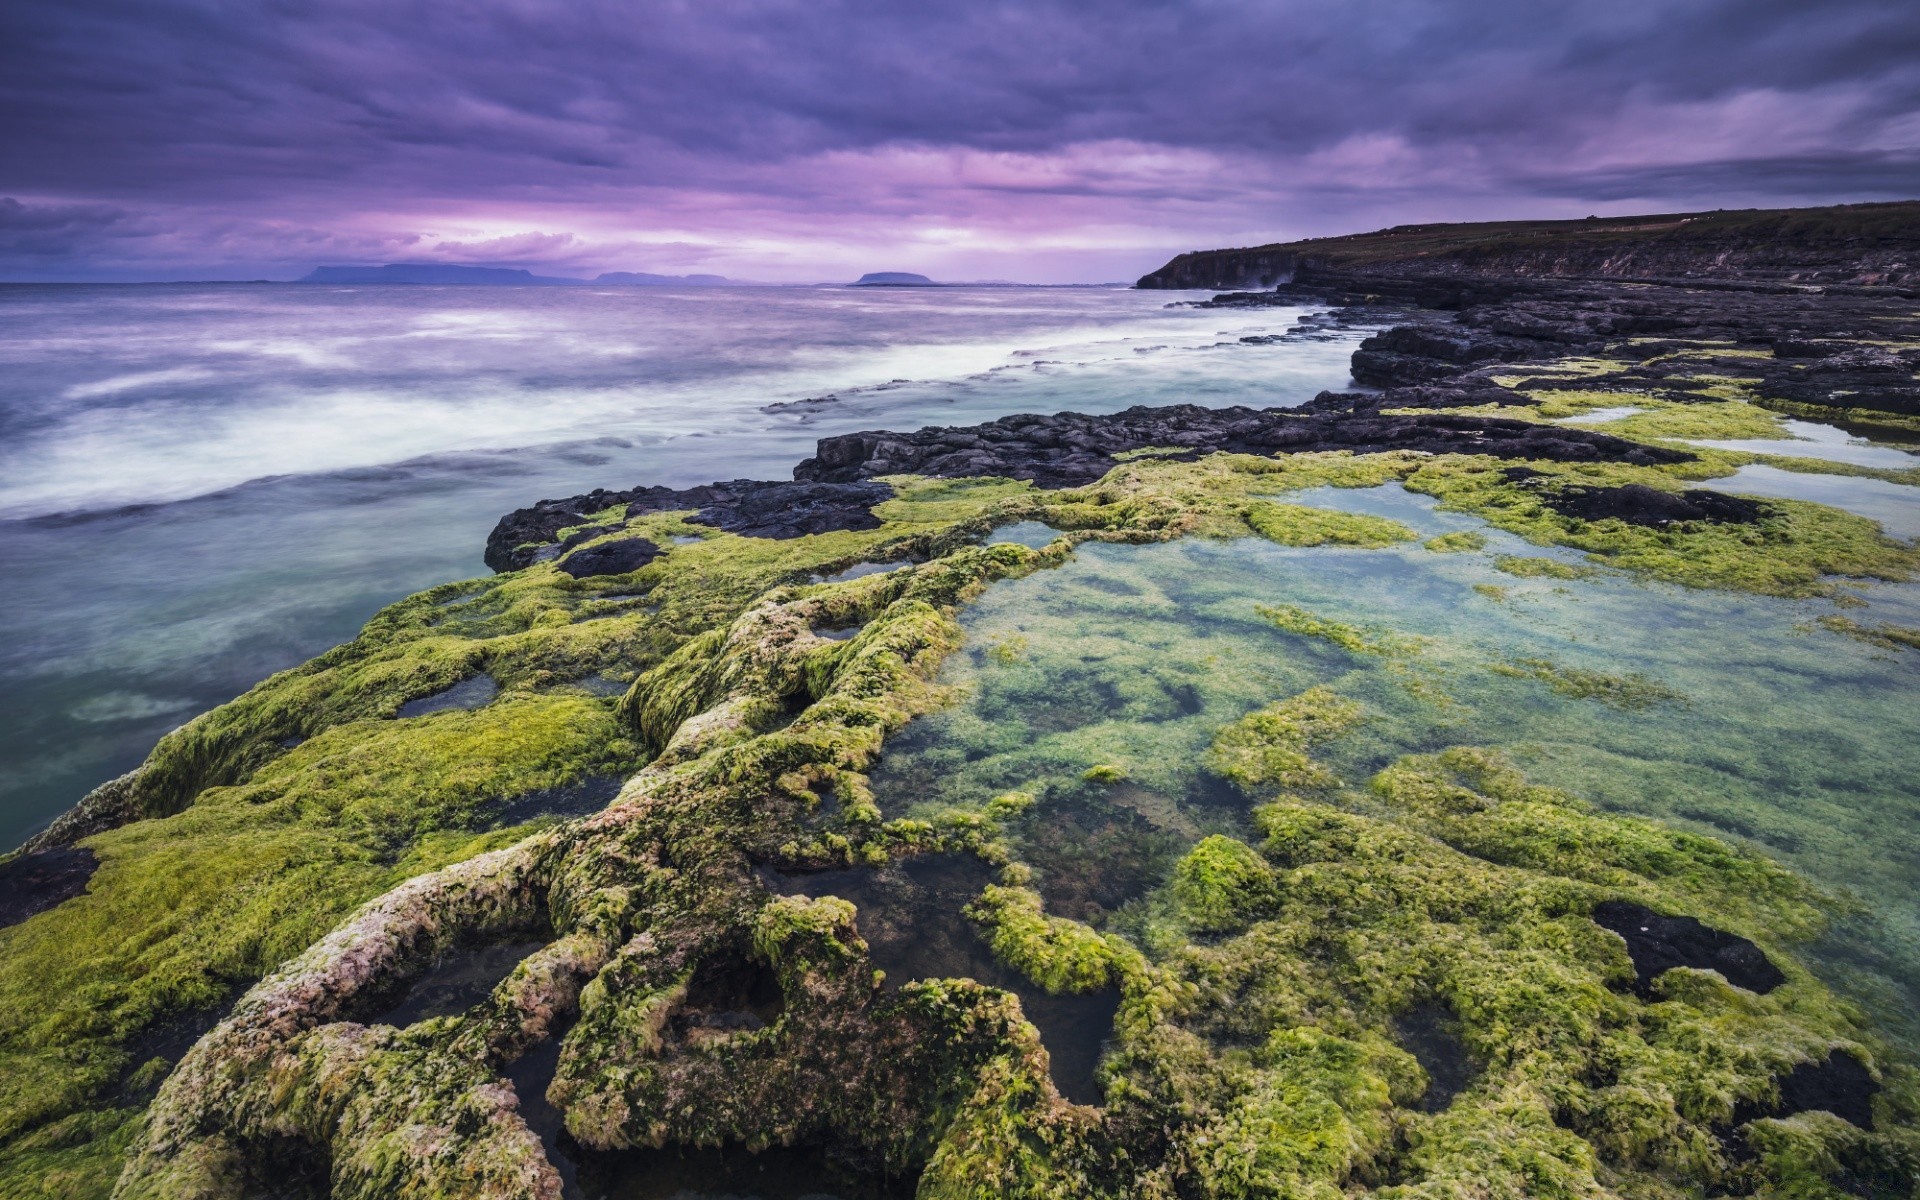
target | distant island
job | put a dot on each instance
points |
(893, 279)
(445, 273)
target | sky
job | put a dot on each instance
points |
(1046, 141)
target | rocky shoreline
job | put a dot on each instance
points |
(1437, 978)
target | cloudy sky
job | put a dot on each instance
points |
(788, 140)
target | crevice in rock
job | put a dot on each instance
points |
(1430, 1031)
(478, 691)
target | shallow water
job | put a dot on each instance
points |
(249, 472)
(1793, 739)
(910, 915)
(1896, 506)
(1813, 440)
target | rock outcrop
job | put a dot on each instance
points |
(1858, 243)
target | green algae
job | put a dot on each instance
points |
(749, 715)
(1456, 543)
(1630, 692)
(1790, 552)
(1885, 635)
(1533, 567)
(1270, 747)
(1350, 638)
(1298, 525)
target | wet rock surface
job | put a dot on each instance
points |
(476, 692)
(616, 557)
(1830, 347)
(911, 917)
(744, 506)
(36, 881)
(458, 980)
(1657, 944)
(1072, 449)
(1638, 504)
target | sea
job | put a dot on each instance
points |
(201, 484)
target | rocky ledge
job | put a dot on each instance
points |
(835, 488)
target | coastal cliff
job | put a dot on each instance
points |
(1866, 244)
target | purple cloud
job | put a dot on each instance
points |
(782, 139)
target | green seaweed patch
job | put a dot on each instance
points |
(1299, 525)
(1223, 884)
(1459, 541)
(1792, 551)
(1495, 592)
(1629, 693)
(1885, 635)
(1152, 452)
(1534, 567)
(1269, 748)
(1351, 638)
(1059, 955)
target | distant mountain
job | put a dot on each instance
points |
(435, 273)
(445, 273)
(894, 279)
(644, 279)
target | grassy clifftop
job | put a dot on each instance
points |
(1855, 243)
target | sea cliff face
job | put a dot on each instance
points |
(959, 814)
(1869, 244)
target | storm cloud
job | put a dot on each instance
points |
(779, 139)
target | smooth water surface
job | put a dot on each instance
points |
(1754, 722)
(203, 484)
(1895, 505)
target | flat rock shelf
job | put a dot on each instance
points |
(1416, 792)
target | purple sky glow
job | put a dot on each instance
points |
(804, 140)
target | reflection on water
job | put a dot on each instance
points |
(1814, 440)
(1802, 742)
(910, 915)
(1032, 534)
(1896, 506)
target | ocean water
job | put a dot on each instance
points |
(202, 484)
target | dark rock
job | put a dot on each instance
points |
(1638, 504)
(1072, 449)
(1469, 394)
(34, 882)
(743, 506)
(1840, 1084)
(1657, 944)
(616, 557)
